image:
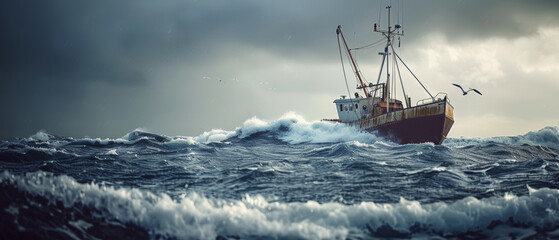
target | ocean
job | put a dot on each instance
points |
(283, 179)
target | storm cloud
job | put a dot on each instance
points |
(104, 68)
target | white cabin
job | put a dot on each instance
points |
(352, 109)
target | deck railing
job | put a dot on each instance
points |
(439, 97)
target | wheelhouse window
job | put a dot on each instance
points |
(341, 108)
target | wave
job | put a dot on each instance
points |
(547, 137)
(193, 216)
(293, 129)
(290, 127)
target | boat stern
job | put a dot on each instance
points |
(448, 120)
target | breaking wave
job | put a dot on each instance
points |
(193, 216)
(294, 129)
(291, 128)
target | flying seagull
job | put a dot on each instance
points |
(466, 92)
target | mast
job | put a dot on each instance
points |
(387, 63)
(354, 65)
(389, 36)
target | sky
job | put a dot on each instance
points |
(104, 68)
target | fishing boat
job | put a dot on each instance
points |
(376, 110)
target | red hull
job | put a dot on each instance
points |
(416, 130)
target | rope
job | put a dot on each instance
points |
(394, 85)
(403, 14)
(399, 9)
(355, 68)
(370, 45)
(401, 82)
(412, 73)
(379, 11)
(358, 69)
(343, 67)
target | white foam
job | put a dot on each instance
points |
(112, 152)
(291, 128)
(40, 136)
(133, 134)
(106, 141)
(439, 169)
(179, 141)
(324, 132)
(215, 135)
(43, 137)
(196, 217)
(255, 125)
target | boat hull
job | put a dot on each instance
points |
(425, 123)
(416, 130)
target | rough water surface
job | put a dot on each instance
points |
(283, 179)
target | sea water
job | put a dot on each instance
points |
(282, 179)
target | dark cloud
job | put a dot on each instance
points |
(467, 20)
(52, 40)
(120, 41)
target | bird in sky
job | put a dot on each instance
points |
(466, 92)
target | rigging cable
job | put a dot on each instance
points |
(358, 70)
(343, 67)
(379, 11)
(394, 77)
(355, 68)
(403, 14)
(412, 73)
(374, 44)
(399, 8)
(401, 82)
(345, 78)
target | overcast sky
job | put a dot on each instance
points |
(105, 68)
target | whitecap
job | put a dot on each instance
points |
(292, 128)
(40, 136)
(193, 216)
(112, 152)
(439, 169)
